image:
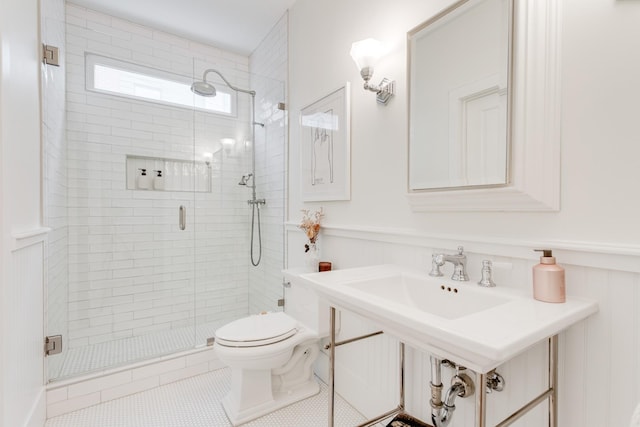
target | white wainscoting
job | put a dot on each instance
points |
(24, 334)
(599, 372)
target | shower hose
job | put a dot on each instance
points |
(255, 206)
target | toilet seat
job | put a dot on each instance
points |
(257, 330)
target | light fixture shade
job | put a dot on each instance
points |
(366, 53)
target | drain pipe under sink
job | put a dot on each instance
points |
(461, 385)
(436, 389)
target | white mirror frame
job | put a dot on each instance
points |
(536, 121)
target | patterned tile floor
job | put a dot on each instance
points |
(91, 358)
(195, 402)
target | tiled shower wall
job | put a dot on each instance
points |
(212, 230)
(270, 60)
(131, 270)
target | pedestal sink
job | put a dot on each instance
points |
(477, 327)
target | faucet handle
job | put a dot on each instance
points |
(460, 250)
(487, 280)
(437, 261)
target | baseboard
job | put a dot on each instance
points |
(38, 413)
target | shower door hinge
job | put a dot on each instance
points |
(50, 55)
(52, 345)
(281, 302)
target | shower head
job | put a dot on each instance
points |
(203, 88)
(245, 179)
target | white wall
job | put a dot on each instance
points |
(599, 143)
(595, 230)
(21, 282)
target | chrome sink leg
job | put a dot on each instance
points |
(332, 361)
(550, 394)
(402, 364)
(481, 400)
(553, 381)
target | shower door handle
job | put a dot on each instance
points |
(182, 217)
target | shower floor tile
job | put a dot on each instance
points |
(196, 402)
(91, 358)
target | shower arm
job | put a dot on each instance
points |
(237, 89)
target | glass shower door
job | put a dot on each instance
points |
(121, 289)
(151, 229)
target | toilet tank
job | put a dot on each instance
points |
(303, 304)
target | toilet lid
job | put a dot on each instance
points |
(257, 330)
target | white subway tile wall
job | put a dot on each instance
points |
(131, 270)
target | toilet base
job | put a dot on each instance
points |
(257, 392)
(239, 416)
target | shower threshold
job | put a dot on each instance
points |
(111, 354)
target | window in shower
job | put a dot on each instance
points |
(120, 78)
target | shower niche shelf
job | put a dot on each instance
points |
(163, 174)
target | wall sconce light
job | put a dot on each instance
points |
(365, 54)
(228, 144)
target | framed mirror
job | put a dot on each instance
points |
(459, 75)
(484, 107)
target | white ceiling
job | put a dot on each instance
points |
(236, 25)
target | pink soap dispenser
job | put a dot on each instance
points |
(548, 279)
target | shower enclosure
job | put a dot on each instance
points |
(151, 247)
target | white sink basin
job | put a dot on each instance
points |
(477, 327)
(428, 294)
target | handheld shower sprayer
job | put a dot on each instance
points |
(245, 179)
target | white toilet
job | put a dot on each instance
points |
(271, 356)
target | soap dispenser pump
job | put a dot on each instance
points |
(144, 181)
(548, 279)
(158, 180)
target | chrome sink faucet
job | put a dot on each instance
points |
(458, 260)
